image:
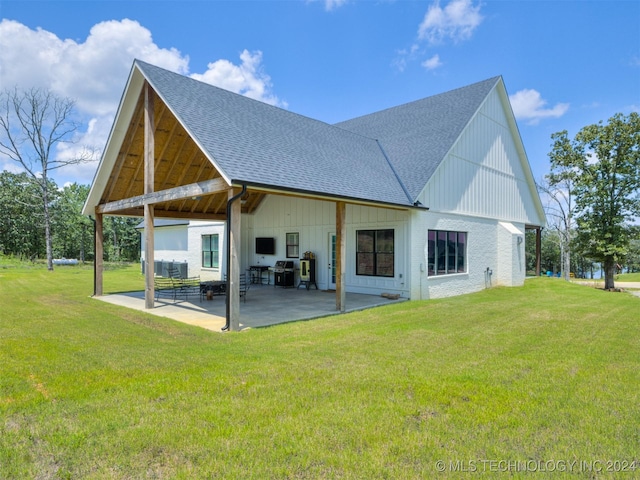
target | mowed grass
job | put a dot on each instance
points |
(628, 277)
(549, 372)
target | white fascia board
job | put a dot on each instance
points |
(119, 128)
(524, 159)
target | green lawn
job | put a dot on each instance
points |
(623, 277)
(538, 376)
(628, 277)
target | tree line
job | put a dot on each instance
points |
(22, 223)
(580, 265)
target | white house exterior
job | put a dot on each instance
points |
(436, 193)
(483, 188)
(180, 242)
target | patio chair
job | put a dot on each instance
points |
(243, 286)
(185, 286)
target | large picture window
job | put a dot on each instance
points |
(375, 253)
(210, 251)
(447, 252)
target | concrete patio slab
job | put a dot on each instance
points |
(265, 305)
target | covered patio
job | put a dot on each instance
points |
(265, 306)
(161, 161)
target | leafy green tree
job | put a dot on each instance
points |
(604, 160)
(530, 251)
(633, 255)
(121, 239)
(21, 224)
(550, 255)
(72, 231)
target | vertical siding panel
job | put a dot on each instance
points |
(303, 214)
(299, 218)
(330, 214)
(372, 215)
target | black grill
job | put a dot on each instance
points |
(283, 273)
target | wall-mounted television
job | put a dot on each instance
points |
(265, 245)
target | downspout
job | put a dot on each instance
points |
(94, 254)
(228, 245)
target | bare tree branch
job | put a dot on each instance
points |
(32, 124)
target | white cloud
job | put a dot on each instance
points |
(529, 105)
(248, 79)
(94, 72)
(432, 63)
(405, 56)
(456, 21)
(330, 5)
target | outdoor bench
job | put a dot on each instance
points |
(177, 287)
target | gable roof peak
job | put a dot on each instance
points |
(257, 144)
(417, 135)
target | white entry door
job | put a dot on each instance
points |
(332, 261)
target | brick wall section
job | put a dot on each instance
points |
(482, 252)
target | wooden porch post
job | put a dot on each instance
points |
(341, 253)
(149, 257)
(233, 295)
(99, 255)
(149, 156)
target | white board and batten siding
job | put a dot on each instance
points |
(483, 188)
(486, 173)
(314, 221)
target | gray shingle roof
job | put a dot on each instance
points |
(259, 144)
(416, 136)
(250, 141)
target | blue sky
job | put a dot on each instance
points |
(566, 64)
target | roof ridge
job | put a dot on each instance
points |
(493, 79)
(244, 97)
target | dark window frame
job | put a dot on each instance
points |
(293, 249)
(375, 255)
(446, 252)
(213, 254)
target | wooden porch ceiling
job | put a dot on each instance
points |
(179, 162)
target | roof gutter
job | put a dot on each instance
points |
(228, 247)
(278, 190)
